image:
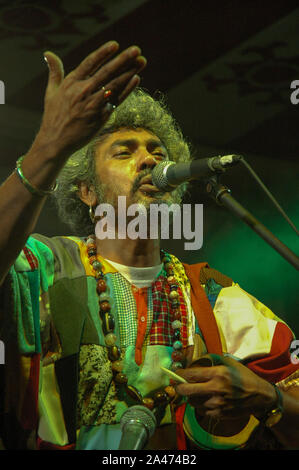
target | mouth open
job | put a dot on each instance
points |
(147, 185)
(148, 188)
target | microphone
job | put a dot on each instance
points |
(138, 424)
(167, 175)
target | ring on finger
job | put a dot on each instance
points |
(107, 93)
(109, 106)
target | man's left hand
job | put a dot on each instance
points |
(226, 391)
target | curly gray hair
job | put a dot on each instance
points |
(139, 110)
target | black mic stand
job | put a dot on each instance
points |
(221, 194)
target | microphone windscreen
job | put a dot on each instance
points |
(142, 414)
(159, 177)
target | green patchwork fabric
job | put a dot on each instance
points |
(51, 279)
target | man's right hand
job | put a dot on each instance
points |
(75, 107)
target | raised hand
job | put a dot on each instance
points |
(75, 106)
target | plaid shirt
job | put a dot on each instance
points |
(158, 313)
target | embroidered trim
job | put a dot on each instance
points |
(290, 381)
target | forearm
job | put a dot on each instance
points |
(19, 208)
(75, 108)
(287, 429)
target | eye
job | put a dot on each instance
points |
(123, 154)
(160, 154)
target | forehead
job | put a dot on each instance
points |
(140, 136)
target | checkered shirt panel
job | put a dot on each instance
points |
(159, 318)
(161, 331)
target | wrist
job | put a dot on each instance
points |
(48, 149)
(273, 413)
(38, 169)
(30, 187)
(267, 399)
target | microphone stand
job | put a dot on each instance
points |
(221, 194)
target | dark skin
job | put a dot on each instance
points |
(121, 160)
(75, 104)
(75, 109)
(232, 392)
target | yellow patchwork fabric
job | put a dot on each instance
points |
(51, 424)
(211, 441)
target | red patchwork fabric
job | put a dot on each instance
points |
(32, 260)
(162, 331)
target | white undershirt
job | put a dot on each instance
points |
(144, 277)
(139, 277)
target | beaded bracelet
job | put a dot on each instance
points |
(29, 186)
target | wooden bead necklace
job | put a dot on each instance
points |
(126, 392)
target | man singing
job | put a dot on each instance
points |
(91, 323)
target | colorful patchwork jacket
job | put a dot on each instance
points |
(56, 385)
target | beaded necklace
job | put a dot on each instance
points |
(129, 393)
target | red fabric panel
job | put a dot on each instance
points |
(161, 330)
(141, 305)
(44, 445)
(277, 365)
(32, 260)
(180, 435)
(202, 309)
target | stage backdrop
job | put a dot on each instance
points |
(227, 69)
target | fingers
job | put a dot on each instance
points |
(133, 83)
(56, 70)
(109, 107)
(193, 389)
(225, 391)
(123, 85)
(204, 381)
(217, 406)
(199, 374)
(100, 69)
(119, 84)
(119, 75)
(128, 61)
(120, 88)
(216, 401)
(94, 60)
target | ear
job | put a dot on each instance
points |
(87, 194)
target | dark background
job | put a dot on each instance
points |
(226, 68)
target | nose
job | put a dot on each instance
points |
(146, 162)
